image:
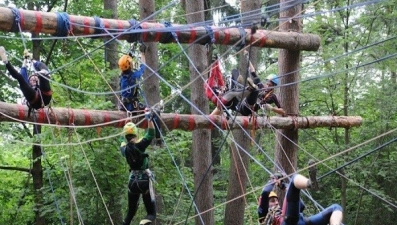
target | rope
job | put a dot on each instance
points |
(63, 25)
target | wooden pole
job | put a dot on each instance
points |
(73, 25)
(83, 117)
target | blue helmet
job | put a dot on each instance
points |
(273, 78)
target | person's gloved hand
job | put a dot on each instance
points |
(27, 54)
(3, 54)
(267, 107)
(149, 115)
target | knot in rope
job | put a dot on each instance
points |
(17, 19)
(133, 37)
(63, 25)
(210, 33)
(99, 26)
(243, 34)
(171, 34)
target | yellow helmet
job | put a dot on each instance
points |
(273, 194)
(130, 128)
(125, 62)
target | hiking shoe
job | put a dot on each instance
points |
(313, 174)
(250, 82)
(145, 222)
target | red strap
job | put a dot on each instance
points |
(193, 35)
(176, 121)
(144, 34)
(263, 39)
(227, 37)
(158, 34)
(41, 116)
(46, 93)
(39, 22)
(245, 122)
(22, 19)
(106, 117)
(87, 117)
(224, 123)
(71, 116)
(192, 123)
(86, 26)
(21, 112)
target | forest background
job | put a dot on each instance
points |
(85, 177)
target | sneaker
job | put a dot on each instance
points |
(250, 82)
(313, 175)
(3, 54)
(145, 222)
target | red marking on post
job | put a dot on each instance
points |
(71, 116)
(41, 116)
(144, 34)
(193, 35)
(212, 121)
(121, 123)
(120, 25)
(245, 122)
(224, 124)
(106, 23)
(192, 123)
(87, 117)
(106, 117)
(216, 35)
(21, 112)
(158, 34)
(39, 22)
(227, 37)
(86, 25)
(176, 121)
(263, 39)
(22, 19)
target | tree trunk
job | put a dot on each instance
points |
(288, 61)
(37, 175)
(202, 167)
(238, 171)
(111, 53)
(238, 176)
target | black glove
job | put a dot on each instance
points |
(142, 48)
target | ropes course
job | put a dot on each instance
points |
(63, 26)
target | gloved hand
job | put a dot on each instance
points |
(142, 48)
(149, 115)
(3, 54)
(27, 54)
(267, 107)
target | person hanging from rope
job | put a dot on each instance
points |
(215, 85)
(292, 209)
(130, 75)
(249, 99)
(140, 179)
(36, 87)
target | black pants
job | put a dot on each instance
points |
(136, 188)
(248, 104)
(31, 94)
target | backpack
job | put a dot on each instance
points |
(137, 159)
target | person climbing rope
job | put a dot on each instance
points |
(36, 87)
(140, 179)
(292, 210)
(274, 210)
(130, 90)
(129, 77)
(246, 101)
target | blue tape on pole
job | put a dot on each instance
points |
(99, 26)
(210, 33)
(63, 25)
(170, 35)
(17, 19)
(134, 36)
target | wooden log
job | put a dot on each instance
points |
(49, 23)
(99, 118)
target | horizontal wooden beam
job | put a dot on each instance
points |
(99, 118)
(57, 25)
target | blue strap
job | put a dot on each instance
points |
(171, 34)
(242, 37)
(17, 18)
(134, 36)
(211, 35)
(63, 25)
(99, 26)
